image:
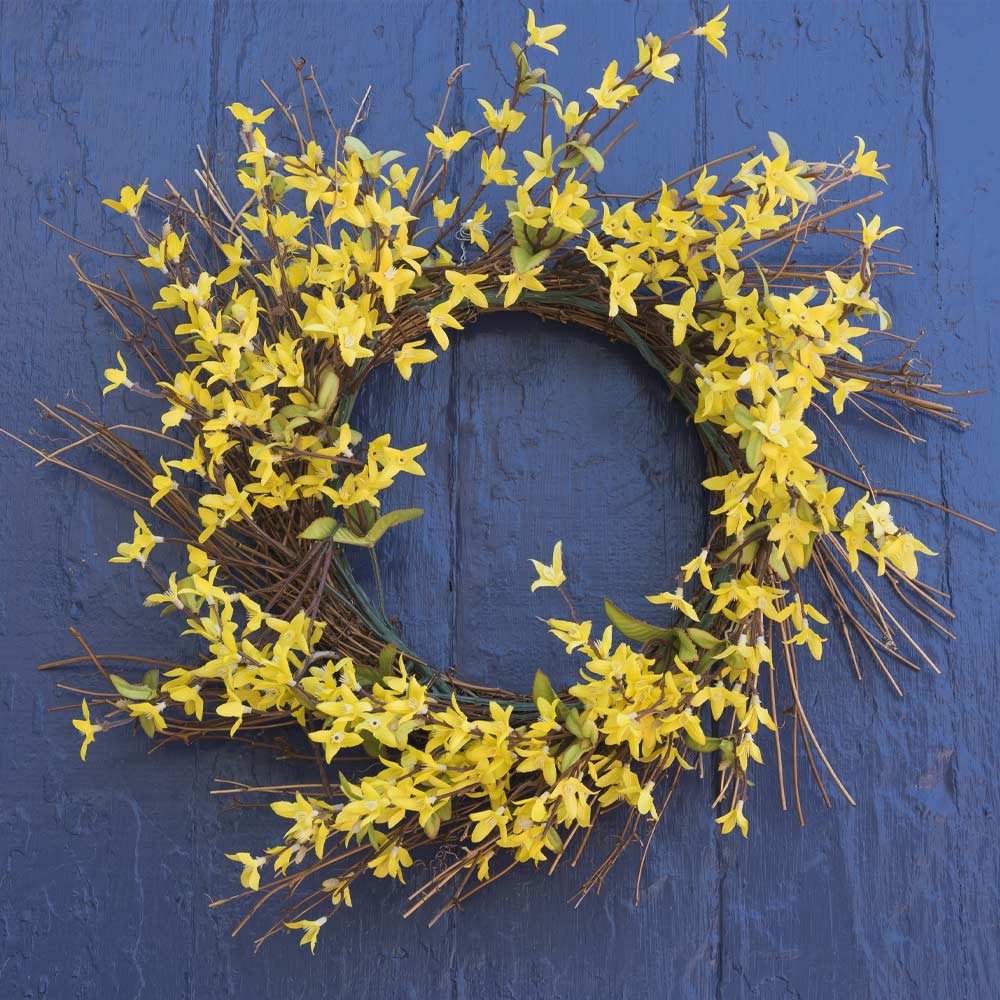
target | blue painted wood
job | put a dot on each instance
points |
(537, 432)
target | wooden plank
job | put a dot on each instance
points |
(370, 950)
(848, 905)
(536, 433)
(564, 436)
(97, 859)
(959, 158)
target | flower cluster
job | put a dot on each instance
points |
(343, 259)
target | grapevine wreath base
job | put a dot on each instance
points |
(257, 323)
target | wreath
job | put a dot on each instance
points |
(265, 316)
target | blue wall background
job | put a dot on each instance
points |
(106, 869)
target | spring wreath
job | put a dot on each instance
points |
(266, 305)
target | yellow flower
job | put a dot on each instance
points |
(464, 288)
(570, 115)
(168, 251)
(504, 120)
(675, 599)
(551, 575)
(756, 715)
(682, 315)
(488, 820)
(410, 354)
(390, 862)
(866, 163)
(475, 228)
(713, 31)
(171, 596)
(86, 727)
(311, 928)
(149, 714)
(444, 210)
(700, 566)
(612, 92)
(128, 200)
(233, 708)
(747, 750)
(494, 172)
(530, 214)
(162, 484)
(880, 515)
(117, 376)
(234, 260)
(142, 544)
(189, 695)
(843, 388)
(542, 36)
(448, 144)
(620, 293)
(519, 282)
(340, 891)
(651, 60)
(901, 550)
(574, 634)
(250, 876)
(872, 232)
(542, 165)
(733, 819)
(247, 117)
(438, 320)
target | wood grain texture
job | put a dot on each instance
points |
(537, 432)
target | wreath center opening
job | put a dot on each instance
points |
(536, 431)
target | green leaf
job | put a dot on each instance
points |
(525, 258)
(701, 638)
(354, 145)
(151, 678)
(884, 319)
(351, 792)
(633, 628)
(431, 825)
(386, 659)
(743, 416)
(294, 410)
(570, 756)
(360, 517)
(574, 723)
(779, 144)
(321, 528)
(592, 156)
(805, 188)
(279, 185)
(542, 688)
(367, 676)
(517, 227)
(347, 537)
(553, 236)
(548, 89)
(329, 386)
(574, 159)
(685, 647)
(134, 692)
(390, 520)
(711, 743)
